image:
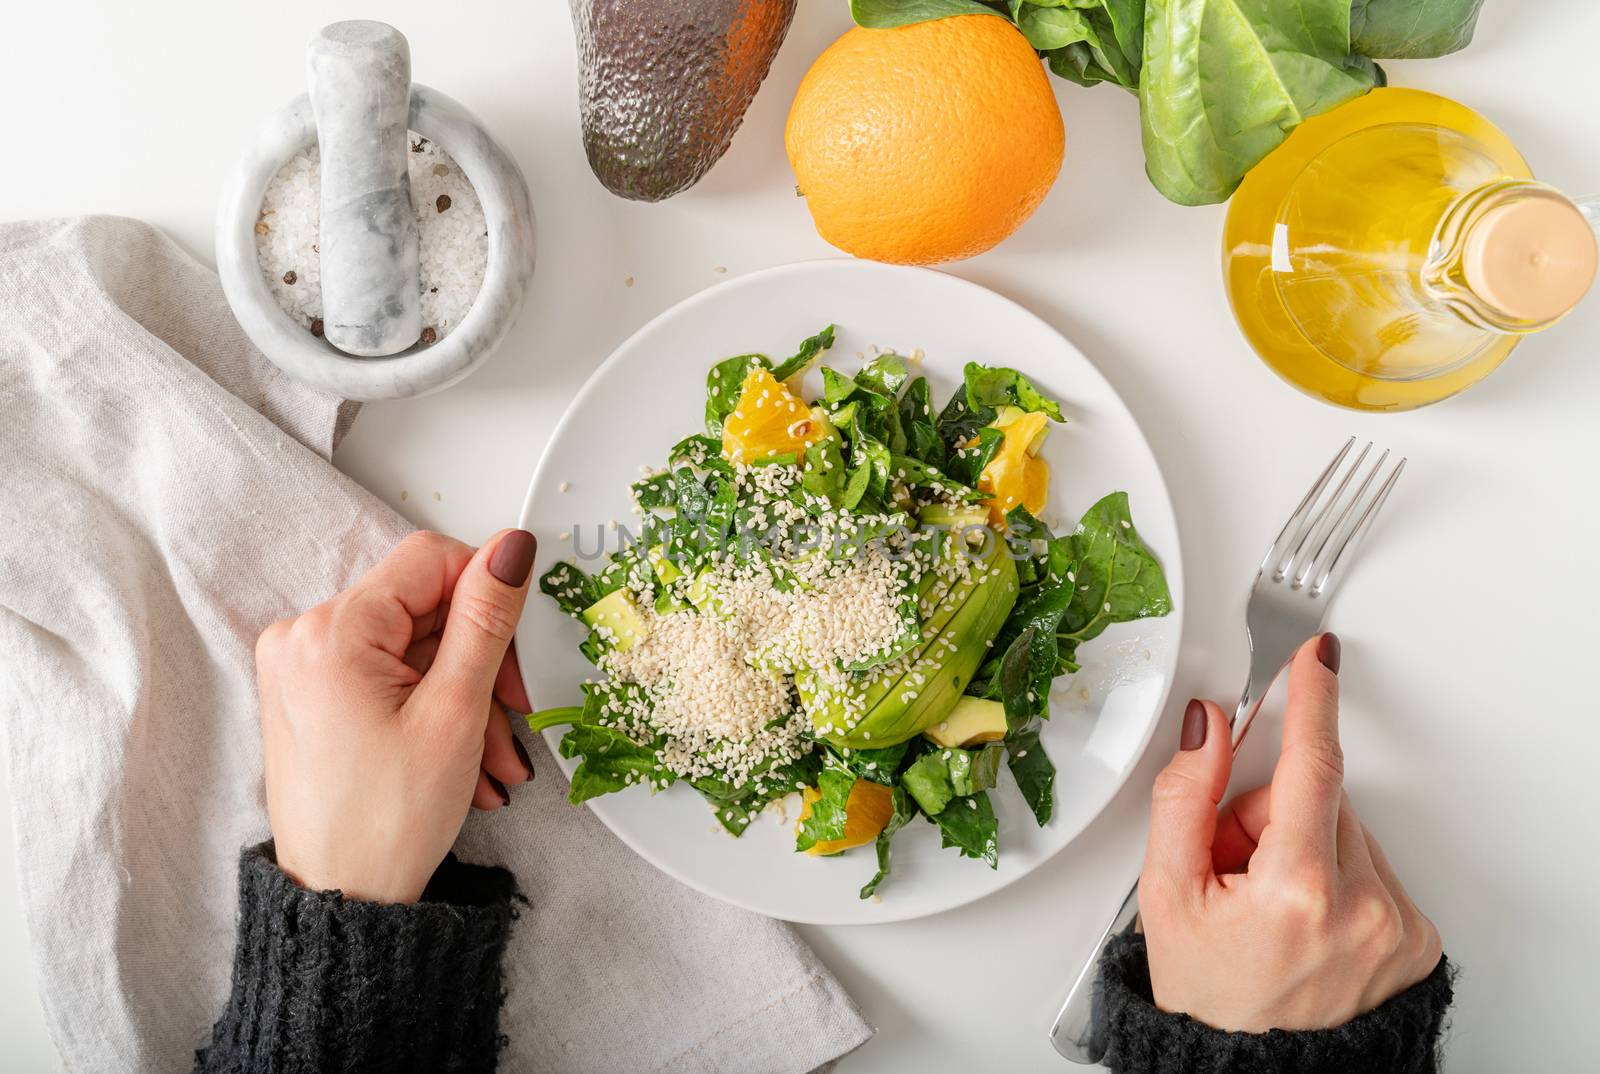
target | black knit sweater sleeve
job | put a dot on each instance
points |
(322, 983)
(1399, 1037)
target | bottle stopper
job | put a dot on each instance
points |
(358, 76)
(1532, 258)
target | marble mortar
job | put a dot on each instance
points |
(422, 369)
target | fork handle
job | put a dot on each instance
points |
(1077, 1034)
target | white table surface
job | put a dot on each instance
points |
(1470, 723)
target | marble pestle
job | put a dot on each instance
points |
(359, 80)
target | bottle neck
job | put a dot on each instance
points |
(1514, 256)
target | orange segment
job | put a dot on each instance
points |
(1015, 476)
(768, 421)
(866, 813)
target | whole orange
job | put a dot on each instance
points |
(925, 143)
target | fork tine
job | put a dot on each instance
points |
(1315, 529)
(1275, 555)
(1322, 540)
(1344, 549)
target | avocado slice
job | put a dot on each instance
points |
(617, 613)
(974, 720)
(666, 570)
(955, 519)
(913, 706)
(937, 606)
(664, 84)
(935, 679)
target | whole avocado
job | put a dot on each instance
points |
(663, 84)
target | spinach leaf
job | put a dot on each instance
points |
(867, 451)
(976, 770)
(1225, 81)
(967, 463)
(903, 812)
(1029, 663)
(735, 816)
(698, 451)
(941, 776)
(827, 818)
(570, 587)
(706, 507)
(723, 385)
(1117, 578)
(958, 422)
(916, 419)
(657, 490)
(1110, 49)
(824, 473)
(1030, 655)
(1412, 29)
(969, 824)
(809, 349)
(1034, 772)
(836, 387)
(991, 387)
(767, 781)
(928, 781)
(855, 489)
(617, 572)
(611, 761)
(878, 765)
(886, 14)
(736, 807)
(884, 375)
(914, 474)
(1053, 26)
(1099, 575)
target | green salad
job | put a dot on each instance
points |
(854, 599)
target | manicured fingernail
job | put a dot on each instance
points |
(522, 755)
(1328, 650)
(1194, 727)
(498, 788)
(512, 559)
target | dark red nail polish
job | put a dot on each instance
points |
(522, 755)
(512, 559)
(1328, 651)
(498, 788)
(1194, 727)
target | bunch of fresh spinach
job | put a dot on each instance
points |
(1221, 83)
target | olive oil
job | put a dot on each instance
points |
(1394, 251)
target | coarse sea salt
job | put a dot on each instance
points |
(452, 237)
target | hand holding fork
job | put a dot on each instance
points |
(1319, 928)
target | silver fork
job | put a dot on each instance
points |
(1287, 605)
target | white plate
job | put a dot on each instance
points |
(651, 393)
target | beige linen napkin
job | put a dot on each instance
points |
(166, 494)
